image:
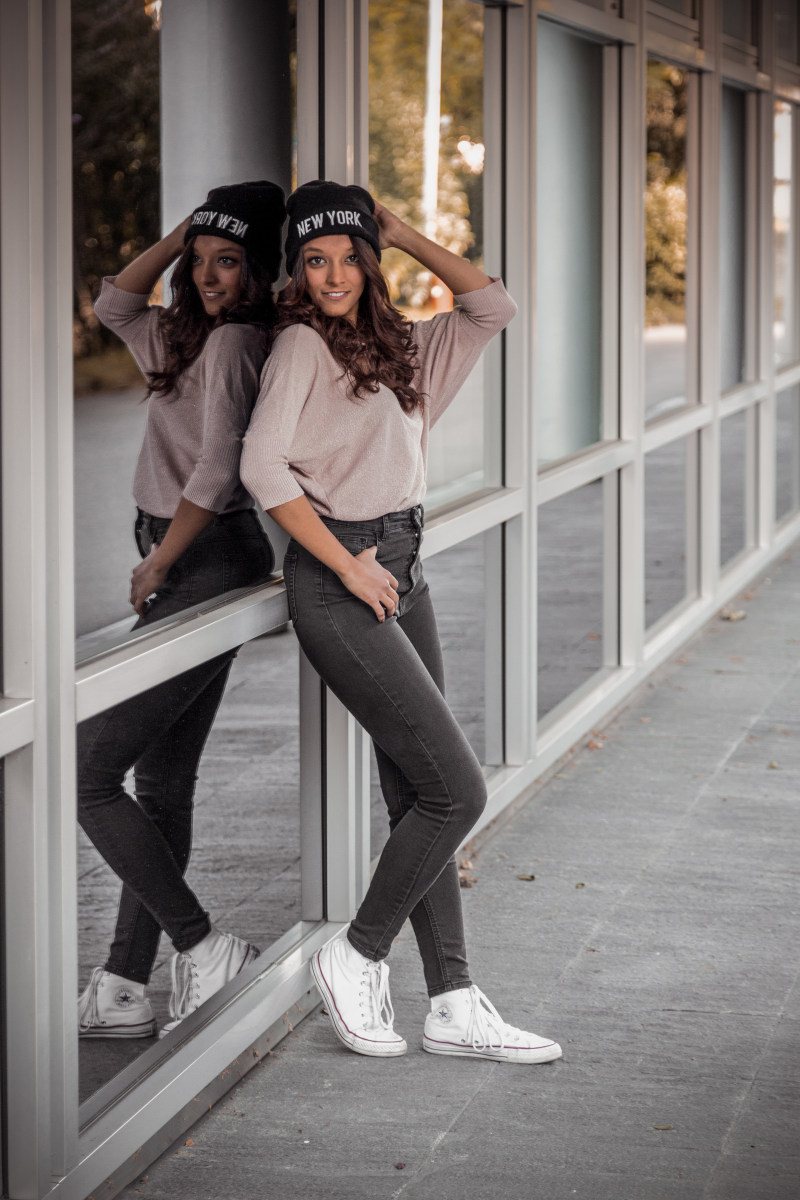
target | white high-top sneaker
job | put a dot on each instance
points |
(114, 1007)
(356, 994)
(465, 1023)
(200, 972)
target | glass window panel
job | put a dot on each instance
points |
(785, 235)
(458, 582)
(426, 143)
(737, 19)
(732, 236)
(787, 27)
(666, 204)
(787, 452)
(245, 841)
(570, 593)
(116, 214)
(665, 516)
(733, 490)
(569, 241)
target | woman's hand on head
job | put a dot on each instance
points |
(147, 577)
(389, 225)
(372, 583)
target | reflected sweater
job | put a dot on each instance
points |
(193, 435)
(358, 458)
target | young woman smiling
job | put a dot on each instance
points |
(198, 537)
(336, 451)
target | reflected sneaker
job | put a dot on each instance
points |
(200, 972)
(356, 994)
(114, 1007)
(465, 1023)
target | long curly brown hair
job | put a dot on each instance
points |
(378, 349)
(185, 325)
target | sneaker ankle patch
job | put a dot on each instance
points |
(444, 1013)
(124, 998)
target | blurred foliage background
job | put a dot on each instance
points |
(116, 162)
(665, 195)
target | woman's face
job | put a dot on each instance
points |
(334, 277)
(217, 272)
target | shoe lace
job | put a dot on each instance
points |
(185, 988)
(486, 1029)
(376, 1001)
(88, 1014)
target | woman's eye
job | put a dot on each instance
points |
(227, 262)
(315, 261)
(195, 259)
(352, 258)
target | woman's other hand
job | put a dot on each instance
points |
(147, 577)
(371, 582)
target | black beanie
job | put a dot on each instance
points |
(251, 214)
(321, 208)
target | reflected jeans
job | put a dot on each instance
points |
(390, 676)
(161, 734)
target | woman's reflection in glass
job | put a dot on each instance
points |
(198, 537)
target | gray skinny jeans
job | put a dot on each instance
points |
(390, 676)
(161, 734)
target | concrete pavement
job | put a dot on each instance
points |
(657, 942)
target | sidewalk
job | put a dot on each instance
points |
(658, 943)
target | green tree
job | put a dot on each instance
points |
(665, 194)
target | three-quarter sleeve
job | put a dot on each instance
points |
(287, 381)
(449, 345)
(135, 321)
(232, 361)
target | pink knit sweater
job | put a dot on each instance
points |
(359, 458)
(193, 436)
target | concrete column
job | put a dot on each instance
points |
(225, 98)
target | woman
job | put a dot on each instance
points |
(198, 537)
(336, 452)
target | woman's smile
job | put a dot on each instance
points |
(334, 276)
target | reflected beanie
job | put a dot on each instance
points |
(250, 214)
(322, 208)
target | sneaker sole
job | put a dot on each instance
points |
(351, 1040)
(543, 1054)
(120, 1031)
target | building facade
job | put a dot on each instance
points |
(620, 465)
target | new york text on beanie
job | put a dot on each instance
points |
(250, 214)
(322, 208)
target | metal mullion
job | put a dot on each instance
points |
(585, 19)
(16, 725)
(703, 496)
(753, 162)
(696, 248)
(632, 376)
(751, 477)
(611, 557)
(676, 425)
(57, 285)
(610, 252)
(582, 468)
(41, 1039)
(519, 442)
(309, 115)
(787, 377)
(765, 486)
(132, 668)
(493, 235)
(339, 54)
(745, 396)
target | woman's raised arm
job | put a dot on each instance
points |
(142, 275)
